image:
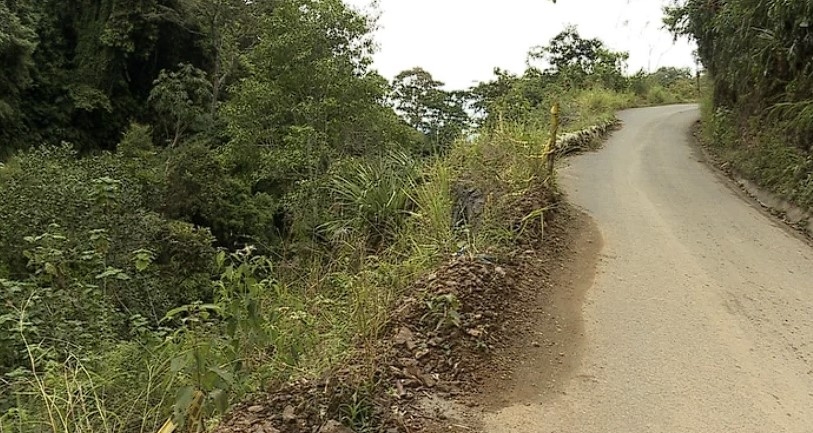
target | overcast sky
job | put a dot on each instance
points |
(461, 41)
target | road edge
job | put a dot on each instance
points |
(791, 218)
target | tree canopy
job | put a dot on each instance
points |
(427, 107)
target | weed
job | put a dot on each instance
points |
(443, 311)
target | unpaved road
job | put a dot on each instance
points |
(700, 318)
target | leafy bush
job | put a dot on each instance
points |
(201, 192)
(136, 142)
(50, 186)
(757, 150)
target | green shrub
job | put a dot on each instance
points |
(370, 197)
(136, 142)
(757, 149)
(659, 95)
(51, 186)
(200, 191)
(684, 91)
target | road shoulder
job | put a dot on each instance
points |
(794, 220)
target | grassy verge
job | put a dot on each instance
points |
(759, 149)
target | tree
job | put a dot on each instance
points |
(754, 49)
(18, 41)
(17, 44)
(310, 96)
(506, 97)
(90, 64)
(667, 76)
(573, 59)
(229, 31)
(424, 105)
(182, 98)
(417, 98)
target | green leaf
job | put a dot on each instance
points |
(178, 363)
(143, 259)
(221, 400)
(171, 314)
(220, 259)
(183, 398)
(112, 272)
(214, 308)
(50, 269)
(226, 376)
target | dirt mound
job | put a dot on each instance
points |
(438, 342)
(327, 405)
(450, 335)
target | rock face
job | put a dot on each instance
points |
(469, 203)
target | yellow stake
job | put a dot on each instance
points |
(550, 147)
(168, 427)
(194, 420)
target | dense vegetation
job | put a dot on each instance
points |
(209, 196)
(760, 113)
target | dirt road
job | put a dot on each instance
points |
(701, 315)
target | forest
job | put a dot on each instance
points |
(759, 115)
(215, 195)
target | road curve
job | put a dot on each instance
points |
(701, 315)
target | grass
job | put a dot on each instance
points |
(758, 150)
(69, 396)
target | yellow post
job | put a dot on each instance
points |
(168, 427)
(194, 421)
(195, 414)
(550, 148)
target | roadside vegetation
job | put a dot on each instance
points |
(758, 115)
(214, 197)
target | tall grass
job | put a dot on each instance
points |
(71, 398)
(70, 395)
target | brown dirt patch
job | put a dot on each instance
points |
(548, 334)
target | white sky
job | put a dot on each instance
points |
(461, 41)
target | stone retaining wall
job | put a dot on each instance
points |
(792, 214)
(585, 139)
